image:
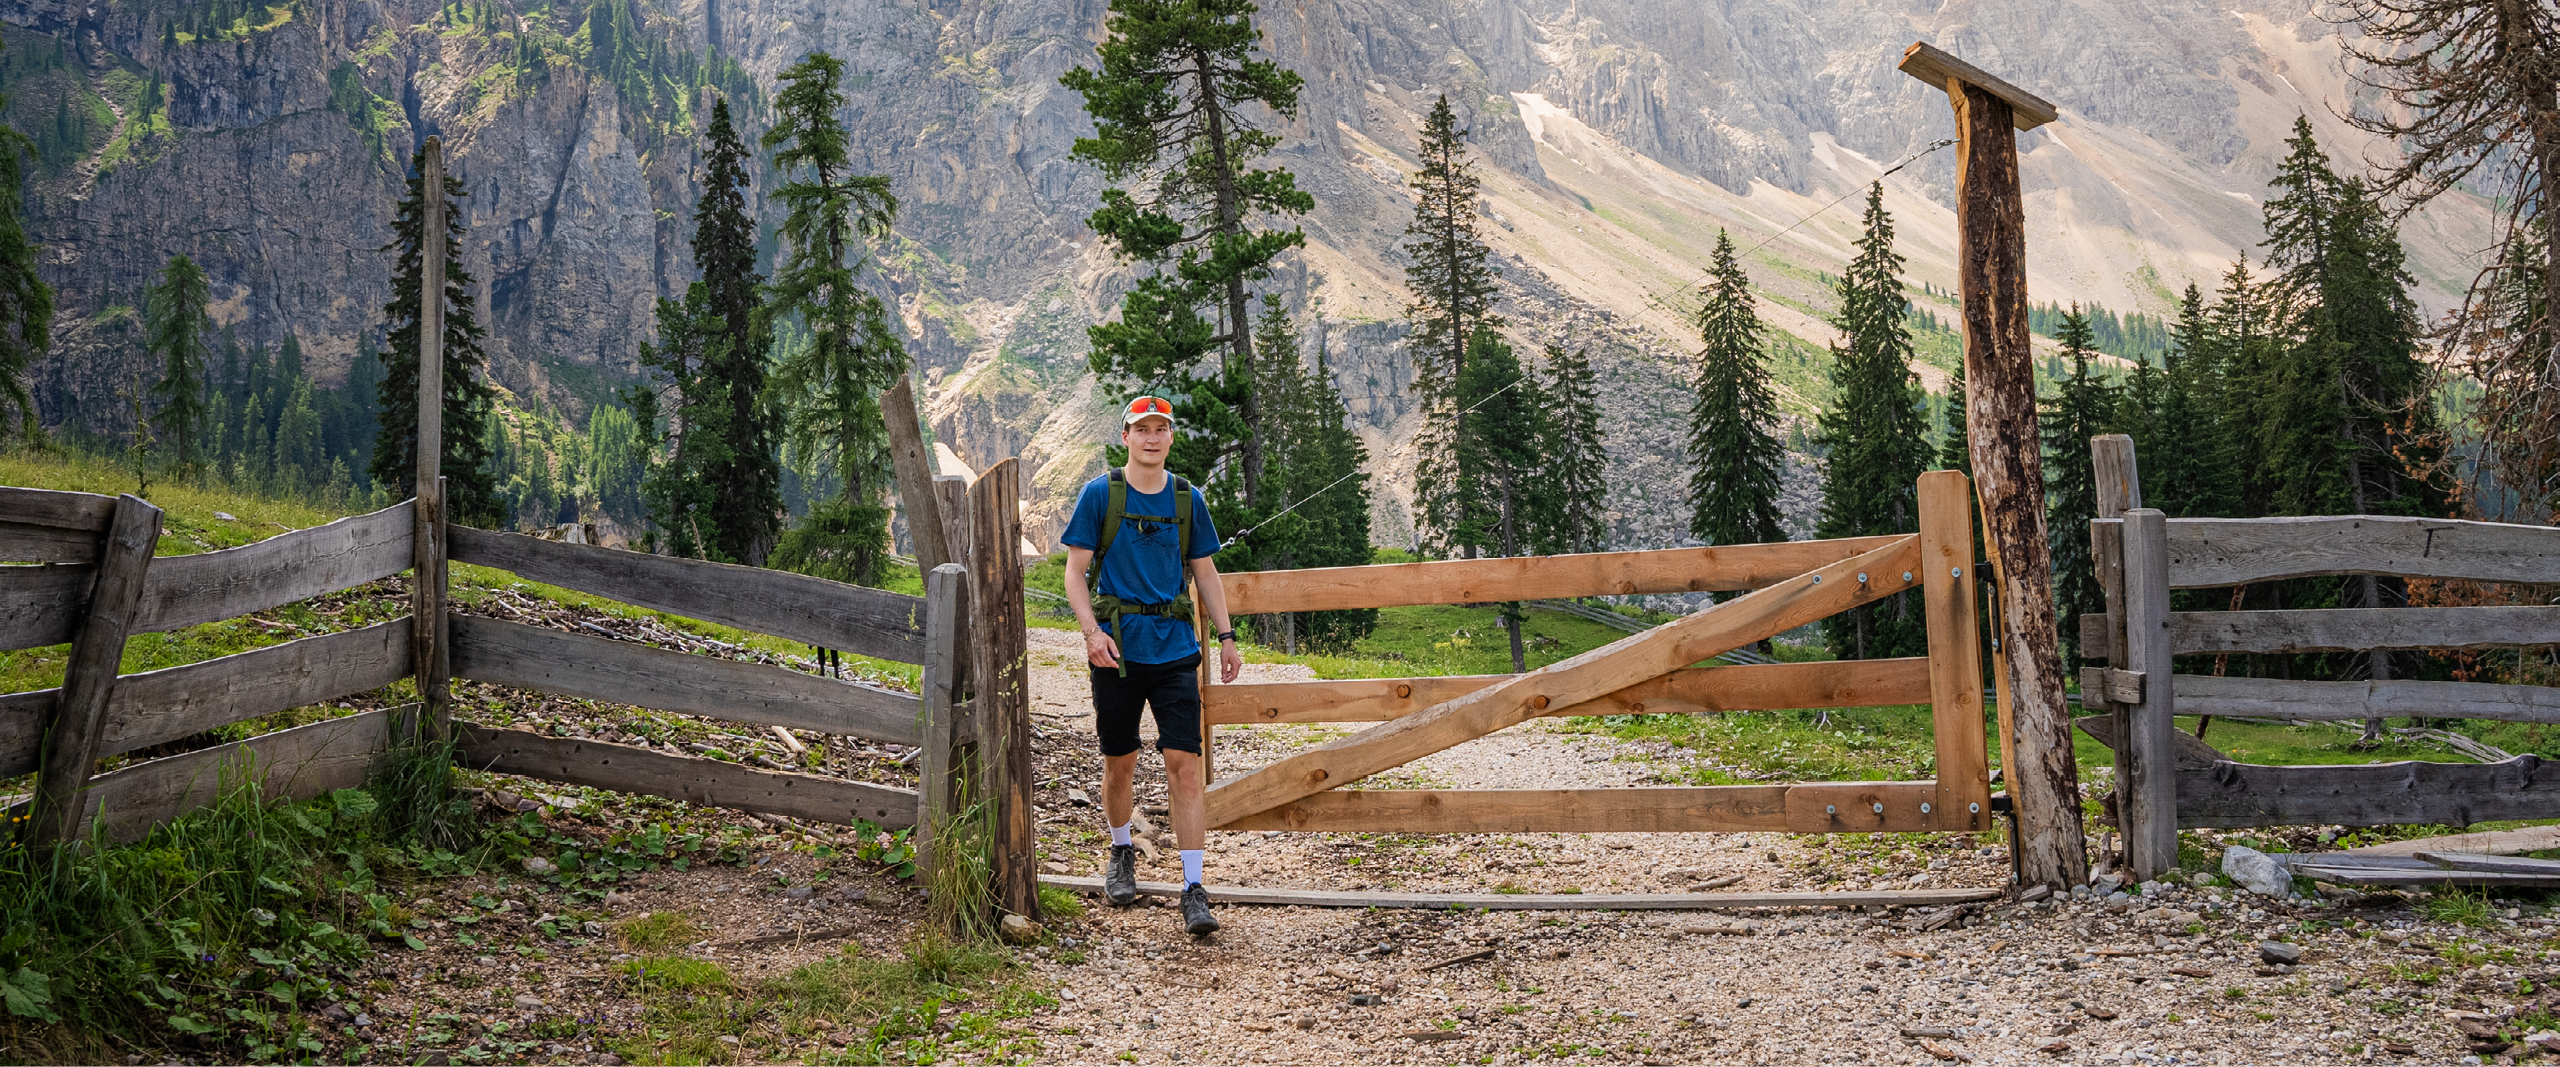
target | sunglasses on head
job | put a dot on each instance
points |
(1150, 405)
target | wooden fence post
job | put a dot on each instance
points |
(1955, 665)
(951, 497)
(2119, 484)
(914, 469)
(2000, 421)
(946, 598)
(1001, 699)
(2147, 797)
(73, 732)
(426, 591)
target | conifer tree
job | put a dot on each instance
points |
(26, 302)
(1312, 466)
(676, 385)
(1955, 444)
(1451, 274)
(2080, 408)
(2244, 360)
(471, 497)
(1733, 424)
(178, 335)
(1174, 108)
(1573, 489)
(1498, 459)
(833, 381)
(2174, 453)
(746, 485)
(1873, 435)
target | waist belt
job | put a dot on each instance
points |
(1111, 608)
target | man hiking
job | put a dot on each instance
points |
(1150, 528)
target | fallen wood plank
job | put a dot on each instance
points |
(1327, 898)
(159, 706)
(1689, 691)
(2271, 698)
(2492, 864)
(1690, 809)
(2487, 843)
(868, 622)
(2230, 795)
(625, 672)
(85, 512)
(2402, 876)
(1607, 669)
(2356, 629)
(2219, 552)
(302, 762)
(187, 590)
(1722, 568)
(707, 782)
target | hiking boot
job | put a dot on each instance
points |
(1120, 879)
(1195, 911)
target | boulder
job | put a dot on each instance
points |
(2257, 872)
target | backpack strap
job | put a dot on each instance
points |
(1111, 515)
(1182, 523)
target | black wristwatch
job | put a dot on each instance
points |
(1228, 635)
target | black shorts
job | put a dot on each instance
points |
(1171, 689)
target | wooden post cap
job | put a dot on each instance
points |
(1933, 65)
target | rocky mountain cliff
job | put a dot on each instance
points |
(1618, 136)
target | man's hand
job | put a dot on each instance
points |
(1230, 662)
(1102, 651)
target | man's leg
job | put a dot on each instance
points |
(1119, 795)
(1176, 702)
(1115, 717)
(1184, 795)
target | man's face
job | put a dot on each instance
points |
(1148, 440)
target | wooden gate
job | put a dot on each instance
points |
(1789, 584)
(2143, 555)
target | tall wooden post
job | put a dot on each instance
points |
(2147, 795)
(426, 589)
(1002, 681)
(940, 766)
(78, 723)
(913, 466)
(2000, 416)
(2119, 483)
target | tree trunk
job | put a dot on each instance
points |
(1239, 334)
(1511, 611)
(2000, 397)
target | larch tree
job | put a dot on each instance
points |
(178, 333)
(1175, 103)
(832, 380)
(1873, 436)
(471, 496)
(1451, 274)
(1735, 453)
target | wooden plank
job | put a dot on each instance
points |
(1863, 807)
(2110, 685)
(2231, 795)
(1933, 65)
(2411, 877)
(2219, 552)
(26, 542)
(914, 471)
(2491, 864)
(2270, 698)
(1002, 697)
(41, 605)
(299, 763)
(2148, 797)
(2191, 753)
(1963, 790)
(813, 611)
(2356, 629)
(160, 706)
(73, 732)
(431, 632)
(2097, 637)
(625, 672)
(709, 782)
(1695, 809)
(210, 586)
(1714, 631)
(2119, 486)
(943, 764)
(22, 718)
(88, 513)
(1688, 691)
(1723, 568)
(2487, 843)
(1326, 898)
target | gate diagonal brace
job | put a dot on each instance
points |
(1712, 632)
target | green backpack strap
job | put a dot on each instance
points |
(1111, 515)
(1182, 522)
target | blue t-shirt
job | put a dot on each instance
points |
(1141, 568)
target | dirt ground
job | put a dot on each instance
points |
(2173, 976)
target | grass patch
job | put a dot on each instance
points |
(939, 1001)
(678, 974)
(1057, 905)
(656, 931)
(2447, 904)
(1860, 744)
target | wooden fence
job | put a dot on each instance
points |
(2164, 784)
(98, 582)
(1789, 584)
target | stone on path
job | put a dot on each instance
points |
(2257, 872)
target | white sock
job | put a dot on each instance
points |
(1191, 858)
(1120, 833)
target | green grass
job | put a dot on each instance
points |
(938, 1001)
(656, 931)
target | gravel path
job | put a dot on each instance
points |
(2175, 976)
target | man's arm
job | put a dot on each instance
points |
(1213, 599)
(1099, 648)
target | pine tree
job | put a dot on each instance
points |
(2244, 363)
(1498, 458)
(1733, 424)
(746, 488)
(177, 335)
(2174, 455)
(1174, 105)
(1450, 272)
(1873, 436)
(1313, 464)
(1955, 444)
(833, 382)
(2080, 409)
(1573, 492)
(471, 497)
(26, 302)
(675, 383)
